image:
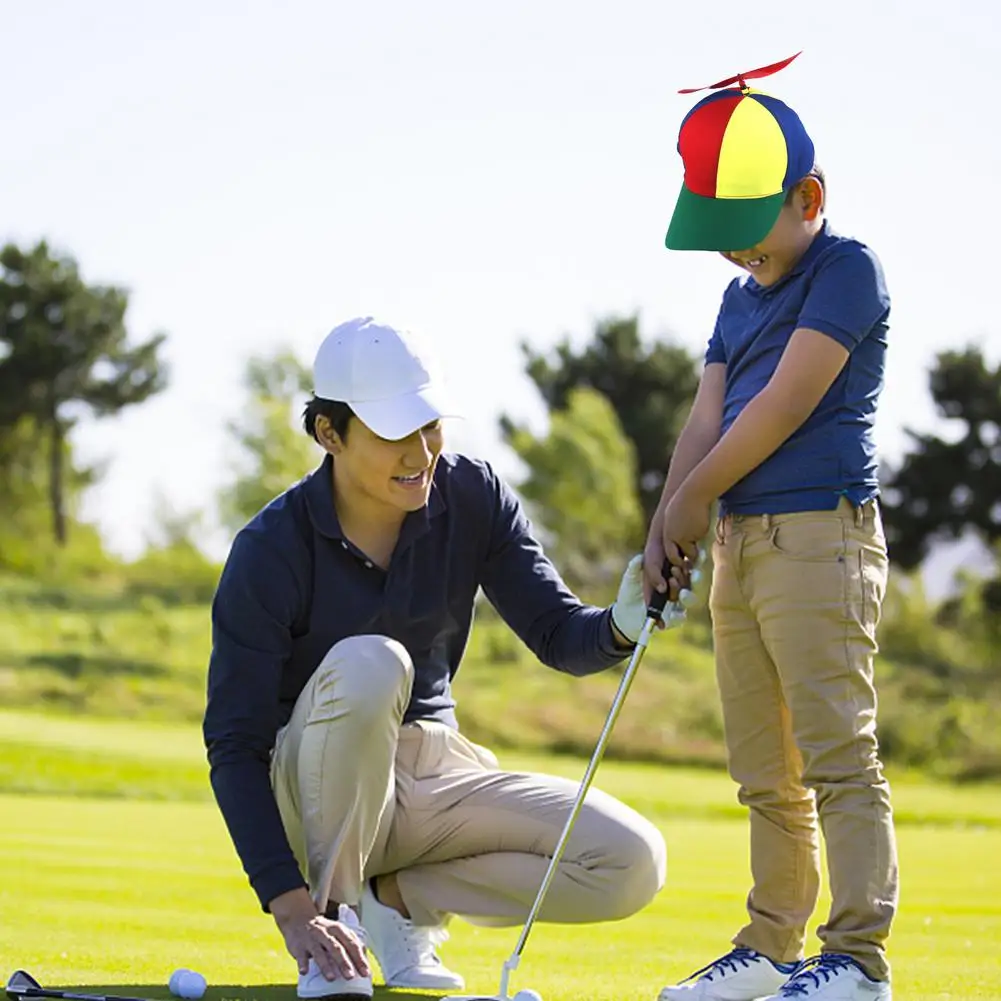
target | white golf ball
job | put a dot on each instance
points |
(527, 994)
(186, 983)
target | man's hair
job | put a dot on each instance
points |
(339, 414)
(816, 171)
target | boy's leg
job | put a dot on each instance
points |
(333, 766)
(764, 760)
(470, 839)
(820, 579)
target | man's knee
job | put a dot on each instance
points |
(368, 675)
(641, 871)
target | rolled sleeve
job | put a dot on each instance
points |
(715, 351)
(847, 297)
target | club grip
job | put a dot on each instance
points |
(659, 598)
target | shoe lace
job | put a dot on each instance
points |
(421, 941)
(730, 963)
(809, 973)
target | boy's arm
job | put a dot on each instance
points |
(846, 301)
(808, 367)
(699, 435)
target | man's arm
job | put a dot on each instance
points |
(252, 612)
(530, 595)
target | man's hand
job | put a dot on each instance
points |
(630, 609)
(685, 524)
(334, 946)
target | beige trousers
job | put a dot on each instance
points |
(795, 603)
(361, 795)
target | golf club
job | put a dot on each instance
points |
(24, 985)
(655, 613)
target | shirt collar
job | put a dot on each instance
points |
(319, 491)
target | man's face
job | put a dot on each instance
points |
(389, 474)
(772, 258)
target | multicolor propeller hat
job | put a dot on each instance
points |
(742, 151)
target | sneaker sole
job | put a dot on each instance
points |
(346, 991)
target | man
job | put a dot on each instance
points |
(358, 809)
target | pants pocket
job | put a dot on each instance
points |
(444, 749)
(810, 540)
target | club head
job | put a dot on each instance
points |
(475, 997)
(19, 982)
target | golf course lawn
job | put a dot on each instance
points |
(115, 869)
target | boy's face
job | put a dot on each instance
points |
(387, 474)
(772, 258)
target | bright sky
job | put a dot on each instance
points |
(256, 172)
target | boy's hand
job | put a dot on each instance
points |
(654, 565)
(685, 524)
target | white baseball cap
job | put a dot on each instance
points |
(384, 374)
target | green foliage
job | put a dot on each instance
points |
(939, 686)
(26, 543)
(651, 390)
(949, 485)
(120, 647)
(176, 574)
(579, 489)
(64, 347)
(272, 451)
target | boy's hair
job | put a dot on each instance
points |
(816, 171)
(339, 414)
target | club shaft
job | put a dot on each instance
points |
(599, 750)
(44, 992)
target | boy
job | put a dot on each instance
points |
(358, 810)
(780, 433)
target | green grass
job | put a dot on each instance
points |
(103, 650)
(115, 868)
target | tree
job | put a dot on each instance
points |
(946, 487)
(650, 390)
(64, 349)
(273, 453)
(579, 488)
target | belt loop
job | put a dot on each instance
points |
(859, 516)
(766, 523)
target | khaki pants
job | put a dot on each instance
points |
(362, 795)
(795, 603)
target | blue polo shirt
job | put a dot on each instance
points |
(293, 586)
(838, 289)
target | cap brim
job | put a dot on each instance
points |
(400, 416)
(725, 224)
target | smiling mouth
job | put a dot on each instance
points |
(753, 262)
(417, 479)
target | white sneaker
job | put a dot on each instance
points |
(740, 975)
(405, 951)
(313, 984)
(832, 977)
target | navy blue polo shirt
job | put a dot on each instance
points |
(838, 289)
(293, 586)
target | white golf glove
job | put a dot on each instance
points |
(629, 610)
